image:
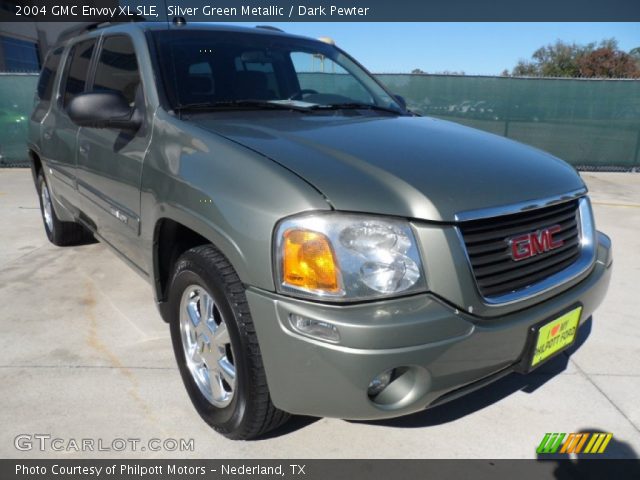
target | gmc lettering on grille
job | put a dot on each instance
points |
(534, 243)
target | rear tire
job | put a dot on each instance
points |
(58, 232)
(223, 372)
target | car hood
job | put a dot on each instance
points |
(414, 167)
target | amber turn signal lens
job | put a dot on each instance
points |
(309, 262)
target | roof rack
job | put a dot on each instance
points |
(269, 27)
(83, 27)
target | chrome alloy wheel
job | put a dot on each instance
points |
(46, 207)
(207, 346)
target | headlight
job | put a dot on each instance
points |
(345, 257)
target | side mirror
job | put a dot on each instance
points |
(103, 110)
(400, 99)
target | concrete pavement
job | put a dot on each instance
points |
(84, 354)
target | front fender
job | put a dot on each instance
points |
(227, 193)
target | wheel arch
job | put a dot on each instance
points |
(171, 238)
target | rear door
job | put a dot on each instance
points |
(109, 159)
(45, 93)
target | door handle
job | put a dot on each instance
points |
(84, 150)
(47, 135)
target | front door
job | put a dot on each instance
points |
(109, 159)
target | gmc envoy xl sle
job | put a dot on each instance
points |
(316, 247)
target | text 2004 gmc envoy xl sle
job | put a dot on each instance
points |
(315, 247)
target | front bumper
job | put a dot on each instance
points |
(446, 352)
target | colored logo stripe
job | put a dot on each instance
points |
(598, 442)
(550, 443)
(574, 443)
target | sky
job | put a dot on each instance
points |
(475, 48)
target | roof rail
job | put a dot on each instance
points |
(83, 27)
(269, 27)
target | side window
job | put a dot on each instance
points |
(48, 75)
(80, 58)
(117, 69)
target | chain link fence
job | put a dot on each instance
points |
(592, 124)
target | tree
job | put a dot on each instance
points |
(526, 69)
(418, 71)
(553, 60)
(562, 59)
(607, 63)
(559, 60)
(635, 53)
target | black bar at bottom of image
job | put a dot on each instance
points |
(115, 469)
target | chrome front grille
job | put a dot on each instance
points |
(490, 253)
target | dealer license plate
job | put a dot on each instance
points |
(555, 336)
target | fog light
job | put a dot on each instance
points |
(379, 383)
(314, 328)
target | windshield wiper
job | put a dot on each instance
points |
(239, 104)
(355, 106)
(280, 105)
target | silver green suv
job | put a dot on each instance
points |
(315, 247)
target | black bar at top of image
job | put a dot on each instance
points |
(324, 10)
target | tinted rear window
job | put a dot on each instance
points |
(48, 75)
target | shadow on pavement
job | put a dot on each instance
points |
(297, 422)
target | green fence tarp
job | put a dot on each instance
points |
(16, 104)
(593, 123)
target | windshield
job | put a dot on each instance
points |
(202, 68)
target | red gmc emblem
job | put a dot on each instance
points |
(534, 243)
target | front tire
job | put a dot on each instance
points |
(216, 346)
(58, 232)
